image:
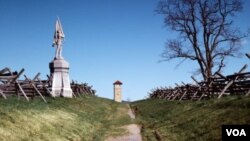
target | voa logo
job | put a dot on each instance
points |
(236, 132)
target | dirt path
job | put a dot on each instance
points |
(130, 113)
(134, 131)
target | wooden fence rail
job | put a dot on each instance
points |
(217, 86)
(11, 85)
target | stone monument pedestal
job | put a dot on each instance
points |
(59, 71)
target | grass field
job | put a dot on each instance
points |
(195, 121)
(78, 119)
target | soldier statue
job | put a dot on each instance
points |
(58, 38)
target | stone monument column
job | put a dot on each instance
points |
(59, 68)
(118, 91)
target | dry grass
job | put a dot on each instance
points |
(190, 120)
(87, 118)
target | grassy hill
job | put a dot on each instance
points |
(197, 121)
(86, 118)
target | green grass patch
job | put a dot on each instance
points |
(77, 119)
(190, 120)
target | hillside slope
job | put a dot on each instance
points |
(86, 118)
(186, 120)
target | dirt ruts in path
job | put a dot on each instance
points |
(130, 113)
(134, 131)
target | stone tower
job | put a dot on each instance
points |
(118, 91)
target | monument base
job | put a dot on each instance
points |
(59, 71)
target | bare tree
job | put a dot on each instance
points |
(206, 32)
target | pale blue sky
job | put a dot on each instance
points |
(106, 40)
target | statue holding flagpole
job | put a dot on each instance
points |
(59, 68)
(58, 38)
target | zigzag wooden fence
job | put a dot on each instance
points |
(217, 86)
(82, 89)
(11, 85)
